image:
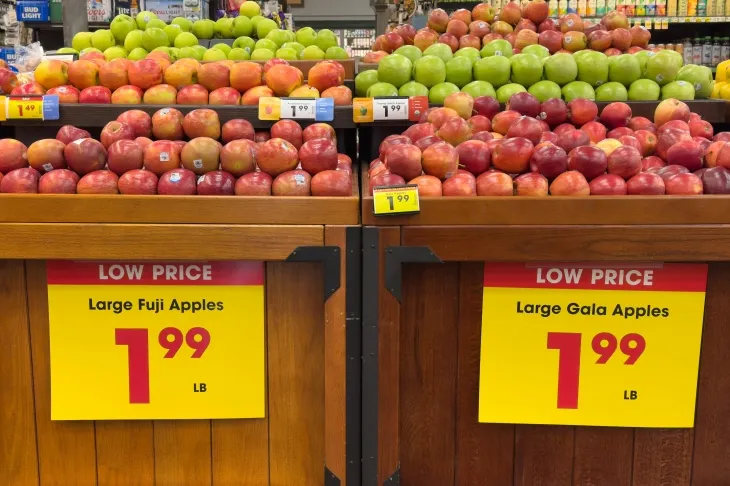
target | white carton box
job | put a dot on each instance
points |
(99, 10)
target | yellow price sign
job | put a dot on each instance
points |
(156, 340)
(591, 344)
(269, 108)
(362, 110)
(25, 107)
(396, 200)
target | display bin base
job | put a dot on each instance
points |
(423, 279)
(310, 433)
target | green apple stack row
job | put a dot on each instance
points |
(256, 38)
(496, 71)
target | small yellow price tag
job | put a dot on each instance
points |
(665, 24)
(647, 23)
(25, 107)
(362, 110)
(396, 200)
(269, 108)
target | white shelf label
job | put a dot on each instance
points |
(390, 109)
(298, 109)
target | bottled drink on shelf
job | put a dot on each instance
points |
(716, 52)
(688, 51)
(697, 51)
(725, 51)
(707, 52)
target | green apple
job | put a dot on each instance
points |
(88, 50)
(186, 39)
(479, 88)
(172, 31)
(497, 47)
(642, 57)
(578, 89)
(644, 90)
(364, 80)
(188, 52)
(203, 29)
(537, 50)
(442, 51)
(154, 37)
(164, 49)
(526, 69)
(429, 71)
(134, 40)
(662, 68)
(624, 69)
(381, 89)
(494, 69)
(504, 93)
(291, 37)
(184, 23)
(681, 90)
(306, 36)
(265, 26)
(255, 22)
(137, 54)
(438, 93)
(279, 36)
(458, 71)
(222, 47)
(395, 69)
(296, 46)
(312, 53)
(335, 52)
(561, 68)
(199, 51)
(249, 9)
(413, 88)
(612, 91)
(262, 55)
(238, 54)
(156, 24)
(143, 17)
(287, 54)
(67, 50)
(103, 39)
(114, 53)
(242, 26)
(411, 52)
(266, 44)
(470, 53)
(592, 67)
(81, 41)
(325, 39)
(223, 28)
(122, 25)
(174, 51)
(675, 56)
(698, 76)
(214, 55)
(545, 90)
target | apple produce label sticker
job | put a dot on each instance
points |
(175, 177)
(164, 157)
(48, 167)
(603, 344)
(198, 163)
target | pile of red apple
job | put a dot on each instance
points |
(520, 26)
(472, 148)
(157, 81)
(288, 161)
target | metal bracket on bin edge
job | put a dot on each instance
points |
(396, 256)
(369, 397)
(353, 347)
(330, 479)
(330, 258)
(394, 479)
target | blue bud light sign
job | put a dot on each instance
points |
(33, 11)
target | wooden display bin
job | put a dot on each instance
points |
(311, 250)
(422, 316)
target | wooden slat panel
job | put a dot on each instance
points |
(388, 365)
(335, 362)
(428, 364)
(543, 455)
(603, 456)
(295, 319)
(663, 457)
(710, 465)
(125, 453)
(556, 243)
(182, 453)
(18, 452)
(484, 452)
(66, 450)
(241, 452)
(148, 242)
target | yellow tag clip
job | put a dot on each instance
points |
(269, 108)
(26, 108)
(396, 200)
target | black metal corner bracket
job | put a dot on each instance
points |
(353, 352)
(330, 258)
(394, 479)
(396, 256)
(329, 478)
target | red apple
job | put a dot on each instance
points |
(624, 162)
(98, 182)
(486, 106)
(553, 111)
(608, 185)
(429, 186)
(440, 160)
(138, 181)
(678, 124)
(572, 139)
(292, 183)
(276, 156)
(645, 184)
(668, 139)
(647, 141)
(621, 39)
(640, 123)
(581, 111)
(161, 156)
(167, 124)
(685, 184)
(549, 160)
(216, 183)
(589, 161)
(596, 131)
(125, 155)
(254, 184)
(631, 141)
(686, 153)
(494, 183)
(619, 132)
(177, 182)
(331, 183)
(202, 122)
(85, 155)
(552, 40)
(288, 130)
(201, 155)
(237, 129)
(474, 156)
(616, 115)
(671, 109)
(503, 120)
(66, 134)
(23, 180)
(140, 121)
(701, 128)
(651, 162)
(391, 141)
(318, 130)
(513, 155)
(460, 184)
(317, 155)
(404, 160)
(237, 158)
(114, 131)
(570, 183)
(454, 131)
(526, 127)
(59, 181)
(425, 142)
(46, 155)
(531, 184)
(385, 179)
(525, 104)
(715, 180)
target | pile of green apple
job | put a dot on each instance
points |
(496, 71)
(256, 38)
